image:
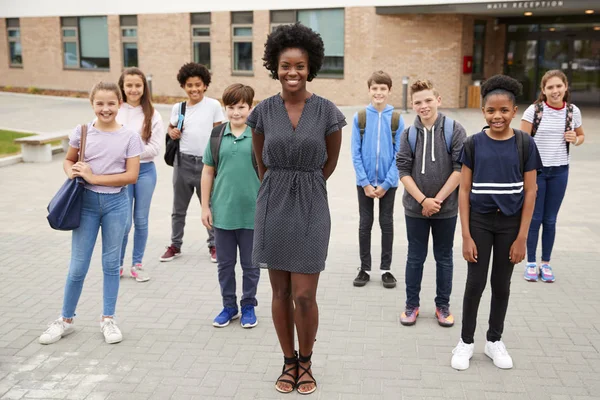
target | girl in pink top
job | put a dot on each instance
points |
(112, 161)
(138, 114)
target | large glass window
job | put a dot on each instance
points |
(479, 49)
(129, 40)
(85, 42)
(241, 26)
(329, 24)
(15, 52)
(201, 38)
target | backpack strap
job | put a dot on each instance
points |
(537, 117)
(215, 143)
(448, 133)
(569, 122)
(395, 125)
(412, 138)
(469, 148)
(362, 122)
(181, 119)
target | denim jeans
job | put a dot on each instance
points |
(108, 211)
(417, 232)
(498, 232)
(228, 242)
(552, 185)
(386, 223)
(141, 192)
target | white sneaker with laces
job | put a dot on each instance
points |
(112, 333)
(497, 352)
(56, 330)
(461, 355)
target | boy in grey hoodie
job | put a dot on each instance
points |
(429, 168)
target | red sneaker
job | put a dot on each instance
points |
(444, 316)
(213, 253)
(171, 253)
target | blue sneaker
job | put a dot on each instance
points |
(248, 317)
(531, 274)
(546, 273)
(227, 315)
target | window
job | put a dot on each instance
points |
(85, 42)
(15, 53)
(241, 27)
(479, 49)
(329, 24)
(201, 38)
(129, 40)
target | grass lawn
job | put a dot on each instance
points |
(8, 147)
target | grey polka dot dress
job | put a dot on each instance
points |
(292, 222)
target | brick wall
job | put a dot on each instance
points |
(417, 46)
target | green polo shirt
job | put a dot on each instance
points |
(233, 200)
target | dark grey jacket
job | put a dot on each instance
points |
(430, 167)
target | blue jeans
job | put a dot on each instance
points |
(142, 192)
(552, 185)
(110, 212)
(227, 243)
(417, 231)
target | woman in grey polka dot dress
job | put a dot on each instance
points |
(297, 137)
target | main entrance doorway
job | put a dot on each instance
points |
(573, 48)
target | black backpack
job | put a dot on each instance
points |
(522, 148)
(172, 146)
(537, 119)
(215, 144)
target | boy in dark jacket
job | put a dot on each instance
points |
(429, 169)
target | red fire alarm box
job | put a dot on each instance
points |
(467, 64)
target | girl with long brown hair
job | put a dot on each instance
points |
(138, 114)
(559, 130)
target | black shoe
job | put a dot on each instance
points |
(388, 280)
(361, 279)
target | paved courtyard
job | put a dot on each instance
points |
(171, 351)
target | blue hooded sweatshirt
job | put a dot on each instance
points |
(374, 157)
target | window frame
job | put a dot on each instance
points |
(77, 40)
(274, 25)
(479, 42)
(14, 39)
(202, 39)
(241, 39)
(128, 39)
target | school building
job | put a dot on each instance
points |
(73, 44)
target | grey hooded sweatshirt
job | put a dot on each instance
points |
(430, 166)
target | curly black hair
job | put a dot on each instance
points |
(189, 70)
(501, 84)
(296, 36)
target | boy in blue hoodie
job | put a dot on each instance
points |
(375, 141)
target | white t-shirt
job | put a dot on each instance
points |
(550, 136)
(197, 125)
(133, 118)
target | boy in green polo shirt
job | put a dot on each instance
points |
(228, 164)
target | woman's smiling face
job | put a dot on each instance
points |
(293, 69)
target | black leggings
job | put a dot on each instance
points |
(497, 231)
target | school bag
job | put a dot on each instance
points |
(537, 119)
(362, 124)
(448, 129)
(64, 210)
(172, 145)
(522, 148)
(215, 144)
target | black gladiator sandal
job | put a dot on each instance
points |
(302, 359)
(293, 361)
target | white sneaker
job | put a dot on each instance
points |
(112, 333)
(56, 330)
(139, 274)
(461, 355)
(497, 352)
